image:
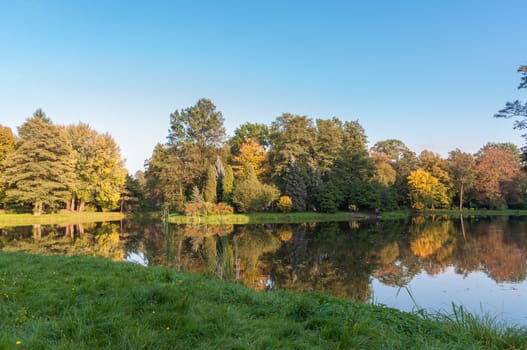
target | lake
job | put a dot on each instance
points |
(416, 263)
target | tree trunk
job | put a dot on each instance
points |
(37, 208)
(80, 207)
(461, 198)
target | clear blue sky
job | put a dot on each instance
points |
(430, 73)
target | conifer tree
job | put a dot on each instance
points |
(295, 186)
(227, 184)
(40, 170)
(210, 185)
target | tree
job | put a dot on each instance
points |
(328, 143)
(210, 191)
(251, 152)
(291, 135)
(7, 142)
(40, 170)
(295, 186)
(516, 109)
(227, 184)
(244, 132)
(494, 168)
(7, 146)
(196, 135)
(426, 191)
(249, 195)
(462, 170)
(99, 168)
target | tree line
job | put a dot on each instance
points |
(294, 164)
(300, 164)
(48, 167)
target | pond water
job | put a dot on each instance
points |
(420, 262)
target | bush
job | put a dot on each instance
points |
(285, 204)
(198, 209)
(222, 209)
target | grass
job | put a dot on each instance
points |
(57, 302)
(9, 220)
(268, 218)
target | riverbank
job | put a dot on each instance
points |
(302, 217)
(58, 302)
(9, 220)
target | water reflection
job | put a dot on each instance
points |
(355, 260)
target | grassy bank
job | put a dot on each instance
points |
(8, 220)
(56, 302)
(268, 218)
(290, 218)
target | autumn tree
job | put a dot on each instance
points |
(462, 171)
(40, 171)
(495, 167)
(244, 132)
(426, 191)
(252, 153)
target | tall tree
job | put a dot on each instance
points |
(328, 145)
(494, 168)
(40, 170)
(227, 184)
(295, 186)
(516, 109)
(196, 135)
(462, 170)
(291, 135)
(248, 131)
(251, 152)
(7, 146)
(210, 192)
(99, 168)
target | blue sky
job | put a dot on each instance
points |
(430, 73)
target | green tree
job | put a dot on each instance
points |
(40, 171)
(227, 184)
(463, 171)
(7, 146)
(211, 184)
(295, 186)
(249, 195)
(248, 131)
(99, 168)
(291, 135)
(196, 135)
(328, 143)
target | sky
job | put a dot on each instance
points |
(429, 73)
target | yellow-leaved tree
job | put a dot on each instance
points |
(426, 191)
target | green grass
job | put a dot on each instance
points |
(8, 220)
(302, 217)
(57, 302)
(267, 218)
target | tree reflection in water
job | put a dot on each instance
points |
(338, 258)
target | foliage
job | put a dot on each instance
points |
(255, 131)
(198, 208)
(463, 172)
(329, 197)
(295, 186)
(249, 195)
(516, 109)
(40, 170)
(196, 135)
(426, 191)
(210, 191)
(222, 209)
(285, 204)
(227, 184)
(252, 153)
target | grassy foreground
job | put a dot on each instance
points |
(8, 220)
(57, 302)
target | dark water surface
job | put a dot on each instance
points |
(430, 263)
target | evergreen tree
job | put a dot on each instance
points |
(220, 172)
(227, 184)
(295, 186)
(40, 170)
(210, 186)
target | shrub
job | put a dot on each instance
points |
(222, 209)
(285, 204)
